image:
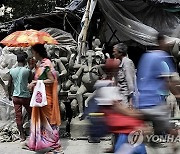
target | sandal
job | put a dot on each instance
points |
(25, 147)
(81, 116)
(22, 139)
(55, 151)
(66, 135)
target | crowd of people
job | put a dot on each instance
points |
(155, 79)
(122, 94)
(143, 99)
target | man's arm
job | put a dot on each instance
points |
(10, 81)
(30, 78)
(119, 108)
(130, 74)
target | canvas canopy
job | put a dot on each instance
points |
(138, 20)
(166, 1)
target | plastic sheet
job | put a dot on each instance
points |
(64, 39)
(137, 20)
(166, 1)
(127, 25)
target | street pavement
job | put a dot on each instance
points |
(75, 147)
(69, 147)
(77, 144)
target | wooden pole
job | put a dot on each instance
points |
(85, 29)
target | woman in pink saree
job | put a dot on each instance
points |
(45, 120)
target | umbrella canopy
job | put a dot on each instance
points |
(28, 38)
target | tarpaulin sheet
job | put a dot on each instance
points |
(138, 21)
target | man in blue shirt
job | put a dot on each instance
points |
(20, 76)
(154, 80)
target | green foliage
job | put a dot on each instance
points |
(22, 8)
(6, 16)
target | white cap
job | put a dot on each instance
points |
(106, 95)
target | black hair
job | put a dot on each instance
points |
(41, 50)
(21, 57)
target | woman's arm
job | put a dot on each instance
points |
(50, 78)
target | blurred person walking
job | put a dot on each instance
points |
(20, 76)
(45, 120)
(106, 93)
(155, 77)
(126, 74)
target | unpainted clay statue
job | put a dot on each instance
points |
(7, 61)
(63, 53)
(58, 65)
(89, 74)
(96, 43)
(97, 65)
(71, 70)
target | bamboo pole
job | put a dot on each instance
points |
(85, 29)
